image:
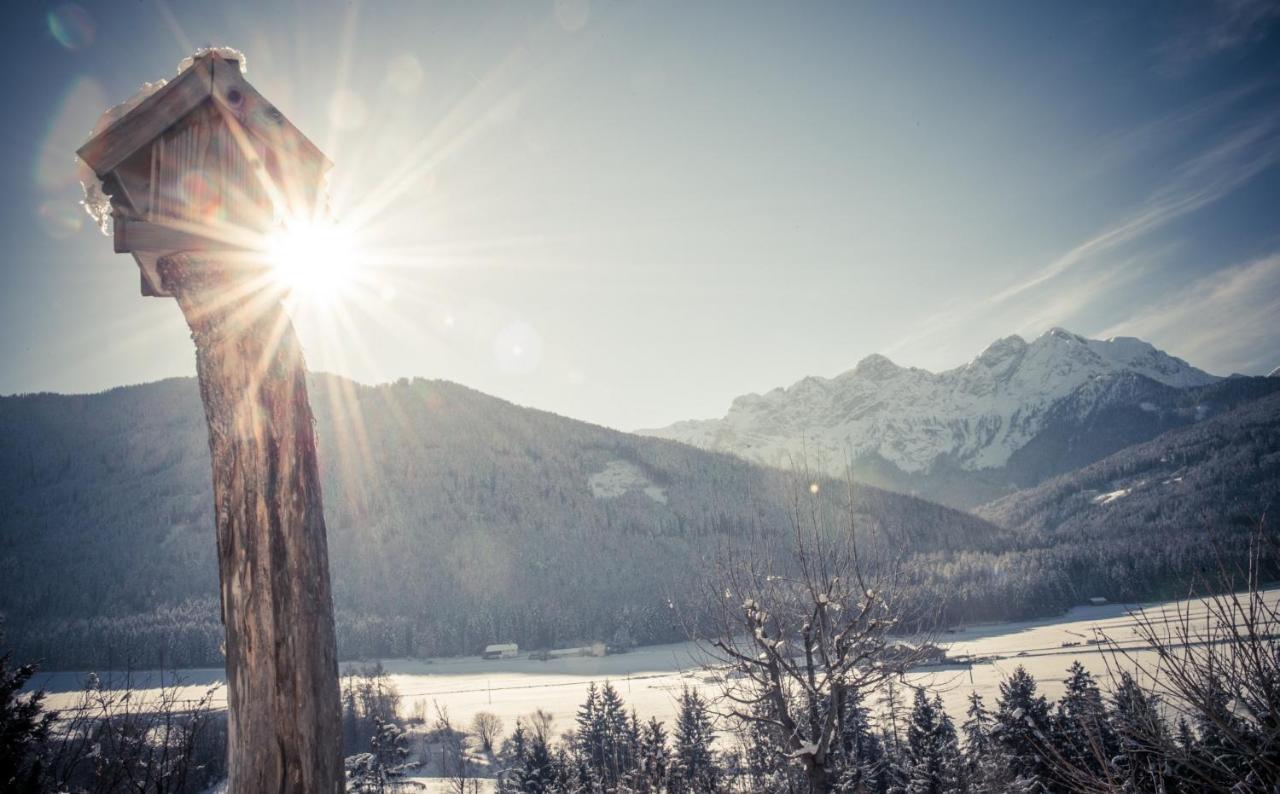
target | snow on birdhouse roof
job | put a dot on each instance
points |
(214, 74)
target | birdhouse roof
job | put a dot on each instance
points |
(211, 77)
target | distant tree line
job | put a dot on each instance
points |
(969, 586)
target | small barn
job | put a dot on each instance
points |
(507, 650)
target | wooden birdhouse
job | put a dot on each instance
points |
(205, 163)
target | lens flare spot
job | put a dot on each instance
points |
(314, 262)
(813, 488)
(60, 219)
(404, 74)
(572, 14)
(517, 349)
(72, 26)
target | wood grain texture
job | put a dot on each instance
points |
(149, 119)
(282, 671)
(174, 236)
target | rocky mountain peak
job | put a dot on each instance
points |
(974, 416)
(876, 367)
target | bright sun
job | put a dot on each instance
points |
(311, 260)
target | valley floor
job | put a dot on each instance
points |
(650, 679)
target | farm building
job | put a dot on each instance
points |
(507, 650)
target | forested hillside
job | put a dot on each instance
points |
(1141, 524)
(1226, 469)
(455, 519)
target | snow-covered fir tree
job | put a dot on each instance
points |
(694, 766)
(614, 737)
(654, 757)
(860, 754)
(1142, 735)
(933, 753)
(1083, 738)
(981, 768)
(1021, 733)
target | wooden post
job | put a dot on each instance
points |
(284, 728)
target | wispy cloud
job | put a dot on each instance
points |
(1239, 157)
(1117, 255)
(1225, 321)
(1163, 133)
(1214, 28)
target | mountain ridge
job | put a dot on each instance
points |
(928, 433)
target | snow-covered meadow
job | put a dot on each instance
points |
(650, 678)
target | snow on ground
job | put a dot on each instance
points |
(1111, 496)
(620, 477)
(650, 679)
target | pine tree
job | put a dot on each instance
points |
(1213, 722)
(1082, 732)
(23, 730)
(933, 756)
(953, 777)
(568, 772)
(977, 728)
(538, 774)
(654, 757)
(632, 741)
(861, 755)
(764, 751)
(922, 759)
(614, 733)
(1188, 767)
(694, 768)
(1186, 739)
(1142, 736)
(895, 773)
(375, 772)
(350, 719)
(590, 737)
(1021, 733)
(981, 769)
(389, 744)
(514, 753)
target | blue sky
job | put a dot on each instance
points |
(631, 212)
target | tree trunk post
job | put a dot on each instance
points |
(284, 724)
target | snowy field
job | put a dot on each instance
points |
(650, 679)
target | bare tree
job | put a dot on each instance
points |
(455, 765)
(539, 725)
(487, 727)
(801, 631)
(117, 738)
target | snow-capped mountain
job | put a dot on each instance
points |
(912, 429)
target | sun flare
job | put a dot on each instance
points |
(312, 260)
